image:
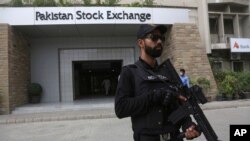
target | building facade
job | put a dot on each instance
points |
(70, 50)
(229, 26)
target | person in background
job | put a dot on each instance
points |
(106, 85)
(184, 78)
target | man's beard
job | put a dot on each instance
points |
(153, 52)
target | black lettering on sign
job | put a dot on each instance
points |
(142, 17)
(47, 16)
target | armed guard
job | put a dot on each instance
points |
(142, 95)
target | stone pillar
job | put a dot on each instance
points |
(221, 29)
(184, 48)
(19, 68)
(4, 69)
(14, 70)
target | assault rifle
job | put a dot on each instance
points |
(191, 106)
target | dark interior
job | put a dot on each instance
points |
(89, 75)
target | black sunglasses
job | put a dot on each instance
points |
(155, 37)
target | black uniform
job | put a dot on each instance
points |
(134, 98)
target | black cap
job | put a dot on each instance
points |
(147, 28)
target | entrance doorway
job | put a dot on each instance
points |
(95, 78)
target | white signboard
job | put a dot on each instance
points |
(92, 15)
(240, 44)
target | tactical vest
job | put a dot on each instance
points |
(155, 120)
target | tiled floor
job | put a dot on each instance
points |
(87, 103)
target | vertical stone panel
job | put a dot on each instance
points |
(14, 69)
(19, 68)
(4, 67)
(184, 48)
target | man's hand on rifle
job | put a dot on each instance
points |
(164, 96)
(191, 132)
(182, 98)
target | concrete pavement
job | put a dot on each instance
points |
(93, 109)
(111, 129)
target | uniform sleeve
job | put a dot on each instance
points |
(126, 103)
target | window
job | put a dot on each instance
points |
(213, 25)
(238, 66)
(228, 26)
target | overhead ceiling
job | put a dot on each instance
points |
(93, 30)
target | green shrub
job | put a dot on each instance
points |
(244, 81)
(35, 92)
(111, 2)
(87, 2)
(98, 2)
(136, 4)
(61, 3)
(148, 2)
(35, 89)
(203, 82)
(229, 85)
(232, 83)
(48, 3)
(16, 3)
(219, 76)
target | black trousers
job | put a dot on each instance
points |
(143, 137)
(147, 137)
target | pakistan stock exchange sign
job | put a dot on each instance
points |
(92, 15)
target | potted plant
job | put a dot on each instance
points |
(204, 83)
(243, 90)
(35, 92)
(229, 86)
